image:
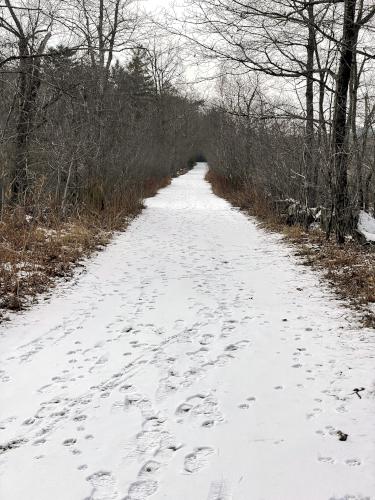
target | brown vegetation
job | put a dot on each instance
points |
(349, 269)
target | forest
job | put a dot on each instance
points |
(78, 126)
(310, 144)
(97, 112)
(84, 137)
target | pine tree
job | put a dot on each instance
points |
(139, 81)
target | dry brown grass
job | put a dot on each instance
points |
(244, 196)
(151, 186)
(349, 269)
(33, 253)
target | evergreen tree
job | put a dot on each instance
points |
(139, 81)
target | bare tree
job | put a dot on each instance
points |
(28, 28)
(305, 44)
(351, 27)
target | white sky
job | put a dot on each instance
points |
(198, 73)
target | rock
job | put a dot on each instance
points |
(342, 435)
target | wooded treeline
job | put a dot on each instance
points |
(294, 121)
(79, 129)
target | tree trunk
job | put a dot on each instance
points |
(309, 156)
(339, 152)
(19, 184)
(29, 83)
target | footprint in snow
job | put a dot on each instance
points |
(38, 442)
(142, 489)
(103, 484)
(79, 418)
(208, 423)
(153, 422)
(223, 359)
(183, 408)
(125, 387)
(243, 406)
(150, 467)
(198, 459)
(28, 421)
(328, 460)
(231, 347)
(69, 441)
(148, 440)
(353, 462)
(206, 339)
(132, 400)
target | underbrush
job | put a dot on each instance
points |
(35, 250)
(349, 269)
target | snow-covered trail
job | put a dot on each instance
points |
(194, 360)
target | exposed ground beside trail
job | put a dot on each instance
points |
(194, 360)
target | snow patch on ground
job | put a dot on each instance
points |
(194, 360)
(366, 226)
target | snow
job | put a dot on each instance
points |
(194, 360)
(366, 226)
